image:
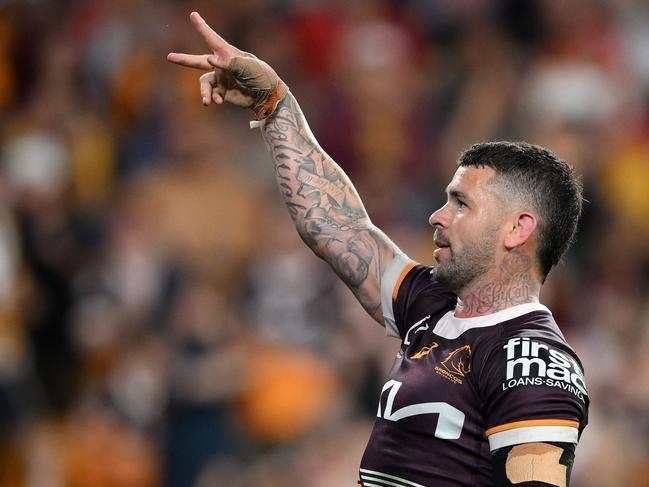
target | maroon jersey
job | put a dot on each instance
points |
(461, 388)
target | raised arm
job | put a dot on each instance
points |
(325, 207)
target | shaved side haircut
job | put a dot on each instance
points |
(537, 180)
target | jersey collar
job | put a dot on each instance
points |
(450, 327)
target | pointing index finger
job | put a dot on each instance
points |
(213, 40)
(190, 60)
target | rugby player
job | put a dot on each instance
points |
(485, 390)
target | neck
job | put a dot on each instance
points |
(513, 282)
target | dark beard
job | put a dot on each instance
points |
(464, 268)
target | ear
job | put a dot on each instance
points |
(522, 229)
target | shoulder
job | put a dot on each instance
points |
(532, 337)
(530, 382)
(408, 293)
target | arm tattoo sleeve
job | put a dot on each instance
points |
(325, 207)
(547, 464)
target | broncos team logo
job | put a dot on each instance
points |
(424, 351)
(458, 362)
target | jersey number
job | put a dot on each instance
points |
(449, 422)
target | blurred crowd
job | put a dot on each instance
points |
(161, 324)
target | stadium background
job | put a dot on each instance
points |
(160, 321)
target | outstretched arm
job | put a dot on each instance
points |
(325, 207)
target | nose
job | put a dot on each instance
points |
(439, 218)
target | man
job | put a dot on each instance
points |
(485, 390)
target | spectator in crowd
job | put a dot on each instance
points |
(131, 285)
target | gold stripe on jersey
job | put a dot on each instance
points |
(402, 276)
(531, 422)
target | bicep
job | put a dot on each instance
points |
(533, 464)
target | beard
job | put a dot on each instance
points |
(465, 266)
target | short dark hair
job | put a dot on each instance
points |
(538, 178)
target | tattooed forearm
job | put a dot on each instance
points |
(326, 209)
(307, 176)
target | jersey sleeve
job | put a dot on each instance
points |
(533, 390)
(408, 293)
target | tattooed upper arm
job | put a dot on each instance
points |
(326, 209)
(358, 255)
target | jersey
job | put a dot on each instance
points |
(460, 389)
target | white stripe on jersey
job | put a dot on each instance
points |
(388, 282)
(402, 482)
(451, 327)
(367, 484)
(531, 434)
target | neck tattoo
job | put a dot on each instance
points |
(513, 285)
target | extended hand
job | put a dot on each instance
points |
(235, 76)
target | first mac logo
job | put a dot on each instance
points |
(534, 363)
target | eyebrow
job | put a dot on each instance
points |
(456, 193)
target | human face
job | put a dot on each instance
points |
(467, 229)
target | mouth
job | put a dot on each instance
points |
(443, 246)
(440, 241)
(438, 252)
